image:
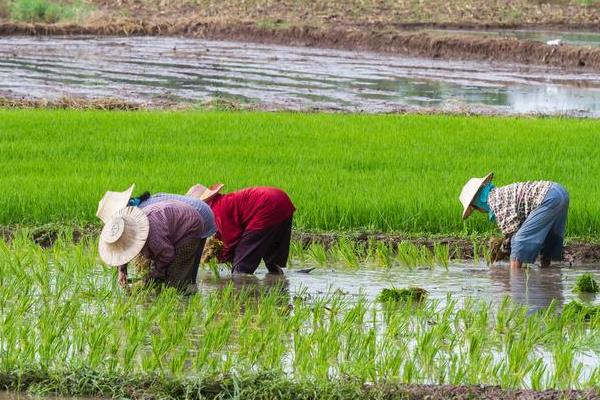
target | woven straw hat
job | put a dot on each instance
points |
(113, 202)
(469, 192)
(123, 236)
(204, 193)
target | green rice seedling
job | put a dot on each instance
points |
(575, 309)
(442, 254)
(81, 340)
(476, 252)
(586, 284)
(408, 254)
(382, 254)
(318, 254)
(347, 252)
(297, 252)
(412, 294)
(45, 138)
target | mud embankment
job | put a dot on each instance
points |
(461, 248)
(401, 42)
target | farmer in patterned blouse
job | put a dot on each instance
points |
(532, 215)
(169, 232)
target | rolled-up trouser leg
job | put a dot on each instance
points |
(529, 240)
(184, 268)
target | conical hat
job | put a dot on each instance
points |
(204, 193)
(113, 202)
(469, 192)
(123, 236)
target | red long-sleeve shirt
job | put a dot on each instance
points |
(250, 209)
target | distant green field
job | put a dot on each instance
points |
(343, 172)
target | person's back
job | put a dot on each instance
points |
(206, 214)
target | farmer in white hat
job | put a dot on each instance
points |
(170, 233)
(532, 214)
(253, 224)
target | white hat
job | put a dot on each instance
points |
(203, 193)
(113, 202)
(469, 192)
(123, 236)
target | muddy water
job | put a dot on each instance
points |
(156, 70)
(533, 287)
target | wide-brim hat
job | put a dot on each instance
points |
(469, 191)
(113, 202)
(204, 193)
(123, 236)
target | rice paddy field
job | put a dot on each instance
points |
(391, 173)
(66, 327)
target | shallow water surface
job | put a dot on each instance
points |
(159, 70)
(533, 287)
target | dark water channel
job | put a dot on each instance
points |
(533, 287)
(156, 70)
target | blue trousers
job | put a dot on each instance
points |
(543, 231)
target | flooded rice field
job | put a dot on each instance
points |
(168, 70)
(533, 287)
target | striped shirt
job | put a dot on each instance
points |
(172, 224)
(209, 227)
(512, 204)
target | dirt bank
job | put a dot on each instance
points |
(576, 252)
(262, 385)
(413, 44)
(461, 248)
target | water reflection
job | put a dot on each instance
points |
(189, 70)
(533, 287)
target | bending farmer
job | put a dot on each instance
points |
(169, 233)
(254, 224)
(532, 214)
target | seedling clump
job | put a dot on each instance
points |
(576, 308)
(414, 294)
(586, 284)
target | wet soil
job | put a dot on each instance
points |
(414, 44)
(461, 248)
(440, 392)
(378, 391)
(137, 72)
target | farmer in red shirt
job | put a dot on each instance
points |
(254, 224)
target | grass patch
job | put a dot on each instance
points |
(343, 172)
(46, 10)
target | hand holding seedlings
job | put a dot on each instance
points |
(211, 250)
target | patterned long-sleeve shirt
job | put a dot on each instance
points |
(512, 204)
(172, 224)
(208, 219)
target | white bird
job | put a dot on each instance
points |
(555, 42)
